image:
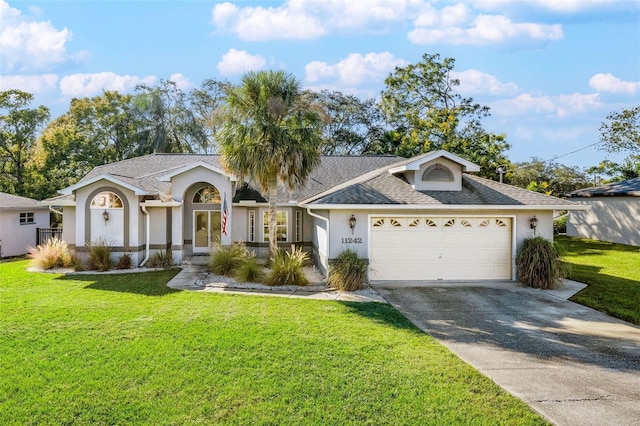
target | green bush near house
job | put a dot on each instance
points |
(287, 268)
(539, 265)
(52, 254)
(99, 255)
(348, 273)
(560, 225)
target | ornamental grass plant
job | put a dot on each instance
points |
(348, 273)
(539, 265)
(99, 255)
(287, 268)
(250, 271)
(161, 259)
(225, 260)
(52, 254)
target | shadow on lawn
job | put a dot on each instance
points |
(381, 313)
(145, 283)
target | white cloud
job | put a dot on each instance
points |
(558, 6)
(455, 26)
(301, 19)
(236, 62)
(81, 85)
(355, 70)
(475, 82)
(29, 83)
(560, 106)
(612, 84)
(26, 44)
(182, 82)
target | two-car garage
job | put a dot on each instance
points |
(429, 248)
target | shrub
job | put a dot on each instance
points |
(539, 264)
(54, 253)
(287, 268)
(250, 270)
(124, 261)
(560, 225)
(225, 260)
(99, 255)
(161, 259)
(76, 262)
(348, 273)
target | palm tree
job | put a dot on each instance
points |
(270, 136)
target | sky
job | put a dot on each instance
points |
(550, 70)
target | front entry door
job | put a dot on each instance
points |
(206, 229)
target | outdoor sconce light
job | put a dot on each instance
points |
(105, 216)
(533, 222)
(352, 223)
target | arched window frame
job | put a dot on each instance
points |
(437, 173)
(106, 200)
(215, 197)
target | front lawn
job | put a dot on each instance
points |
(123, 349)
(612, 272)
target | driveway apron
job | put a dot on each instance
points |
(573, 365)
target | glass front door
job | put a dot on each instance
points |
(206, 229)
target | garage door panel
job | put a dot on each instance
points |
(440, 248)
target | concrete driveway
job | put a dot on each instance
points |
(570, 363)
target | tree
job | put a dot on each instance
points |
(549, 178)
(19, 126)
(207, 104)
(168, 124)
(351, 125)
(267, 138)
(424, 109)
(628, 169)
(621, 131)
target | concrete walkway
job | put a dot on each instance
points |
(572, 364)
(193, 275)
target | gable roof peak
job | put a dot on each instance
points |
(414, 163)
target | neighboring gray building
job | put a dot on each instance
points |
(423, 218)
(19, 219)
(614, 213)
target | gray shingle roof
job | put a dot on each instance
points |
(145, 172)
(12, 202)
(629, 188)
(389, 189)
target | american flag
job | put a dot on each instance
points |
(224, 215)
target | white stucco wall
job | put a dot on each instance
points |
(613, 219)
(69, 225)
(14, 237)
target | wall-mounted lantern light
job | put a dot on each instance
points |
(105, 216)
(533, 222)
(352, 223)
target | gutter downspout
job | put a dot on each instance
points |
(326, 220)
(148, 237)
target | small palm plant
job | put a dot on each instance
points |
(539, 264)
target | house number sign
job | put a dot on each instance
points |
(351, 240)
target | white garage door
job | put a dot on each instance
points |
(440, 248)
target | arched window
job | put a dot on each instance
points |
(106, 200)
(437, 173)
(207, 195)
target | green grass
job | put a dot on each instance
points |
(612, 272)
(125, 349)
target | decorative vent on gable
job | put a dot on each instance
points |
(437, 173)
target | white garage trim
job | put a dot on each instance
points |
(434, 247)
